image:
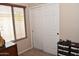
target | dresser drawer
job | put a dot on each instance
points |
(10, 51)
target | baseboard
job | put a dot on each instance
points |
(24, 50)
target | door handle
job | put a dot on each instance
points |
(57, 33)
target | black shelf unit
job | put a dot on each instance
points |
(67, 48)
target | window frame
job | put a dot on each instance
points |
(13, 20)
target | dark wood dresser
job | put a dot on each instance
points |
(10, 49)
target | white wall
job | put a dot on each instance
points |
(69, 21)
(69, 29)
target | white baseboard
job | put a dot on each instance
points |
(24, 50)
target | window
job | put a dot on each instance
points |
(12, 22)
(19, 22)
(6, 24)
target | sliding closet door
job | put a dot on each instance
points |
(45, 26)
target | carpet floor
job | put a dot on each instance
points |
(35, 52)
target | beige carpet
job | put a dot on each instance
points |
(35, 52)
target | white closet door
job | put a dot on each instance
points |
(45, 26)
